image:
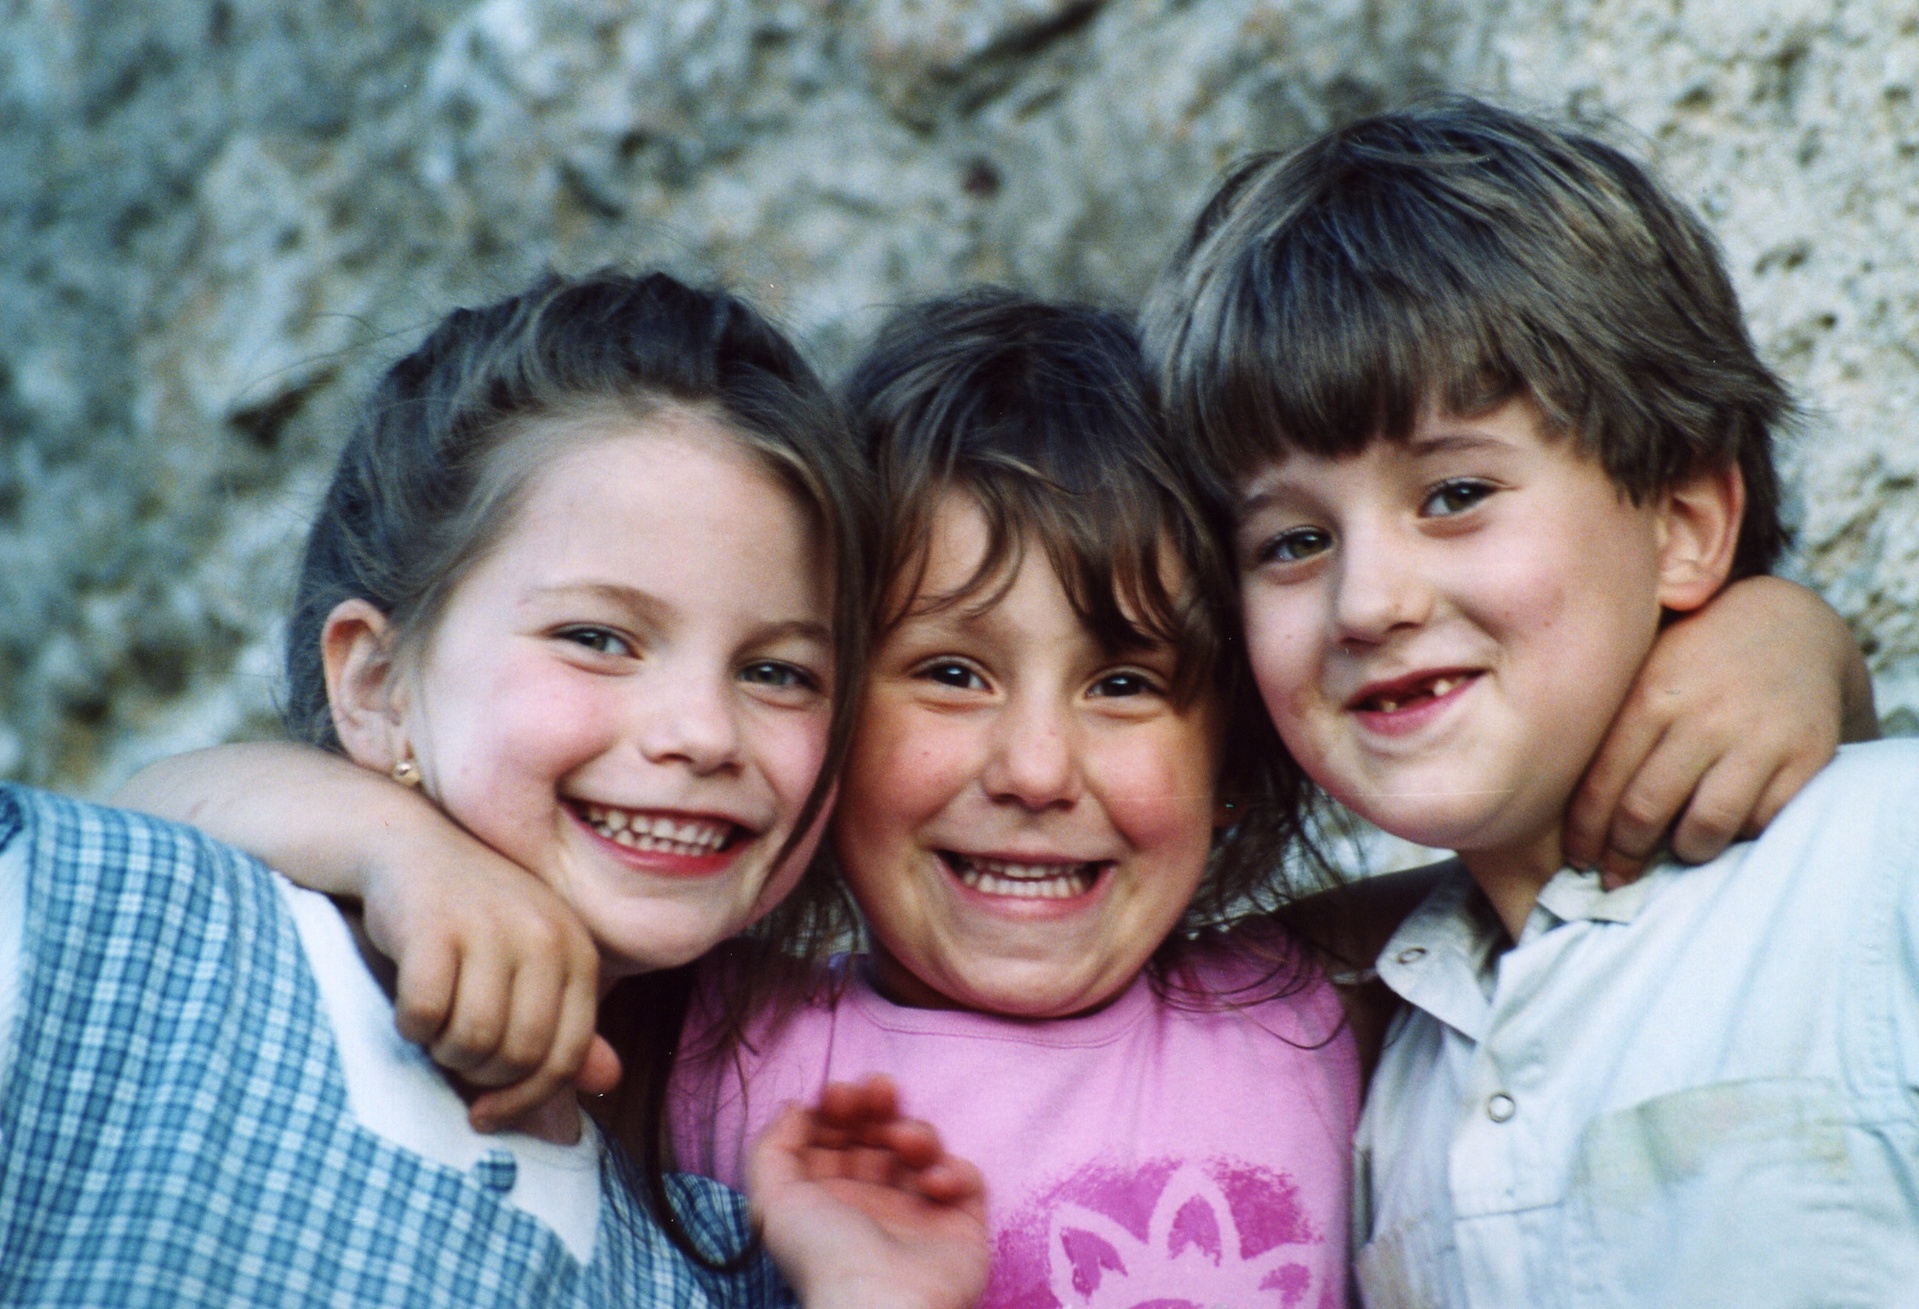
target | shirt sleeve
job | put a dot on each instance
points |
(715, 1217)
(13, 917)
(1906, 960)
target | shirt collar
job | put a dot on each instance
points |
(1573, 895)
(1442, 956)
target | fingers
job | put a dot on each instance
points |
(423, 993)
(1590, 819)
(1727, 803)
(514, 1015)
(601, 1071)
(1663, 785)
(954, 1181)
(856, 1133)
(535, 1059)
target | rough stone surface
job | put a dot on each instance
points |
(218, 219)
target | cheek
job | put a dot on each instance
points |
(1160, 792)
(502, 741)
(904, 766)
(791, 750)
(1282, 646)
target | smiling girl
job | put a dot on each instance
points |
(582, 578)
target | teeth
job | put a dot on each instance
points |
(637, 831)
(1025, 881)
(1439, 686)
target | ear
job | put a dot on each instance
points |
(1699, 533)
(363, 685)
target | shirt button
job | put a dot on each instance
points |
(1500, 1107)
(1412, 954)
(497, 1170)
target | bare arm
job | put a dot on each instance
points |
(1736, 708)
(496, 977)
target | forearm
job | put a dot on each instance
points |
(1861, 720)
(1825, 642)
(315, 816)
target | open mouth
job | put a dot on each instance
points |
(1025, 881)
(1411, 693)
(687, 837)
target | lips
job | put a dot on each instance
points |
(687, 836)
(1023, 880)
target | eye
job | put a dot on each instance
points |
(953, 673)
(1455, 497)
(600, 640)
(779, 675)
(1126, 683)
(1296, 544)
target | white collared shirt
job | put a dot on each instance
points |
(1702, 1089)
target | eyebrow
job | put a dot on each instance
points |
(655, 612)
(1272, 486)
(1455, 442)
(1257, 500)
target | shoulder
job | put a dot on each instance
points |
(57, 830)
(1862, 805)
(1867, 773)
(110, 893)
(1258, 970)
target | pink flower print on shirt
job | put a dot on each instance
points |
(1165, 1234)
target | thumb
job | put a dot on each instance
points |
(601, 1072)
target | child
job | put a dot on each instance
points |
(574, 579)
(1028, 818)
(1066, 706)
(1485, 402)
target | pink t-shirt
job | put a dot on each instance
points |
(1147, 1154)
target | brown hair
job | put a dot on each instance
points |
(1046, 417)
(1461, 254)
(439, 462)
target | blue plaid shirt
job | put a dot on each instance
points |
(174, 1125)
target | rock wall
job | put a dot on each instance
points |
(220, 218)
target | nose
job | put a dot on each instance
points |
(689, 717)
(1034, 756)
(1380, 587)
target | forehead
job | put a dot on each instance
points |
(1512, 430)
(968, 568)
(668, 502)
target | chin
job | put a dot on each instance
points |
(1439, 824)
(1044, 1000)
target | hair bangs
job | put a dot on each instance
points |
(1342, 330)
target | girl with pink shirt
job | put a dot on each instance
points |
(1066, 834)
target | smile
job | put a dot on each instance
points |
(1408, 693)
(1024, 881)
(663, 833)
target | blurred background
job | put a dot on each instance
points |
(221, 217)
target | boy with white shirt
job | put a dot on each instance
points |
(1481, 398)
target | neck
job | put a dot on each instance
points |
(1512, 875)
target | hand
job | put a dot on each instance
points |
(495, 975)
(1736, 708)
(861, 1207)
